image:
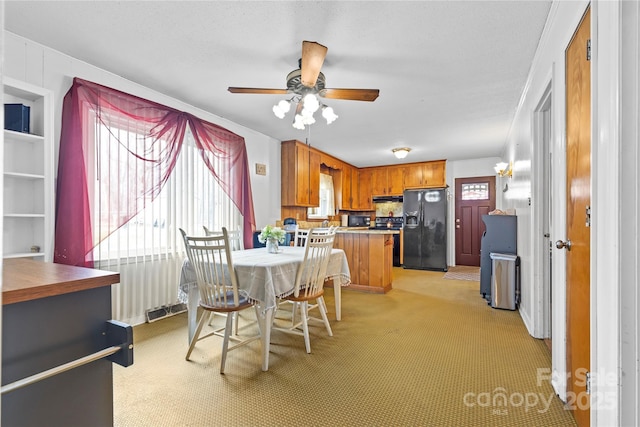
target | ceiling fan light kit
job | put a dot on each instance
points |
(328, 114)
(307, 84)
(282, 108)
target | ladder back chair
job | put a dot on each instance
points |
(300, 236)
(236, 243)
(309, 284)
(210, 257)
(236, 240)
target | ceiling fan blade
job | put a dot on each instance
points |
(312, 58)
(258, 90)
(351, 94)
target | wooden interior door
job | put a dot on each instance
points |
(469, 210)
(578, 84)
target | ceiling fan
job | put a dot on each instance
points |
(306, 84)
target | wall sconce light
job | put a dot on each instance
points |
(504, 169)
(401, 153)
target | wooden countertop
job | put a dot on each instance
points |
(363, 230)
(25, 279)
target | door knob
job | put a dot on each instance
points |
(560, 244)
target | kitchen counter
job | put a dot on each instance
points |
(53, 314)
(25, 279)
(365, 230)
(370, 256)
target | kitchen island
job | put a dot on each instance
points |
(370, 256)
(53, 314)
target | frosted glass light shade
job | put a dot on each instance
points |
(401, 153)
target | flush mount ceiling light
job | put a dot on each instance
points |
(401, 152)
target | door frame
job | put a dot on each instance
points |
(607, 240)
(606, 267)
(542, 210)
(493, 198)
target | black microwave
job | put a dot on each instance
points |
(358, 221)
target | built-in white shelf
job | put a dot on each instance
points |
(28, 192)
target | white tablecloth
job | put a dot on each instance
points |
(263, 277)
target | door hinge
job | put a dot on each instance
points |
(588, 383)
(589, 50)
(588, 216)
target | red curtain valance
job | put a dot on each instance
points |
(153, 156)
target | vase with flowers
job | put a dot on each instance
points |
(271, 236)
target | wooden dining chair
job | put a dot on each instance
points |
(236, 241)
(210, 257)
(299, 239)
(300, 236)
(309, 284)
(237, 244)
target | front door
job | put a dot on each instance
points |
(474, 197)
(578, 202)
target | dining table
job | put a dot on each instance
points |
(263, 277)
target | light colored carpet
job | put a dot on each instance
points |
(463, 272)
(429, 352)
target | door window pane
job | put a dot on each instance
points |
(475, 191)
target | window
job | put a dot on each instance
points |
(189, 199)
(475, 191)
(131, 172)
(327, 204)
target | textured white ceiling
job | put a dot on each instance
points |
(450, 73)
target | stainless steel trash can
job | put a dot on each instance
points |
(505, 290)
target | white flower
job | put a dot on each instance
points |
(270, 232)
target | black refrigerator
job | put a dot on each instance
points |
(425, 229)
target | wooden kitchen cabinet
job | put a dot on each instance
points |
(379, 182)
(370, 258)
(413, 176)
(364, 200)
(395, 175)
(355, 188)
(314, 178)
(425, 175)
(300, 183)
(435, 174)
(347, 187)
(387, 181)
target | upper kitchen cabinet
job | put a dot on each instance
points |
(28, 172)
(300, 175)
(425, 175)
(364, 180)
(396, 180)
(330, 161)
(387, 180)
(379, 181)
(348, 184)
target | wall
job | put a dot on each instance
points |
(615, 193)
(547, 69)
(616, 212)
(39, 65)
